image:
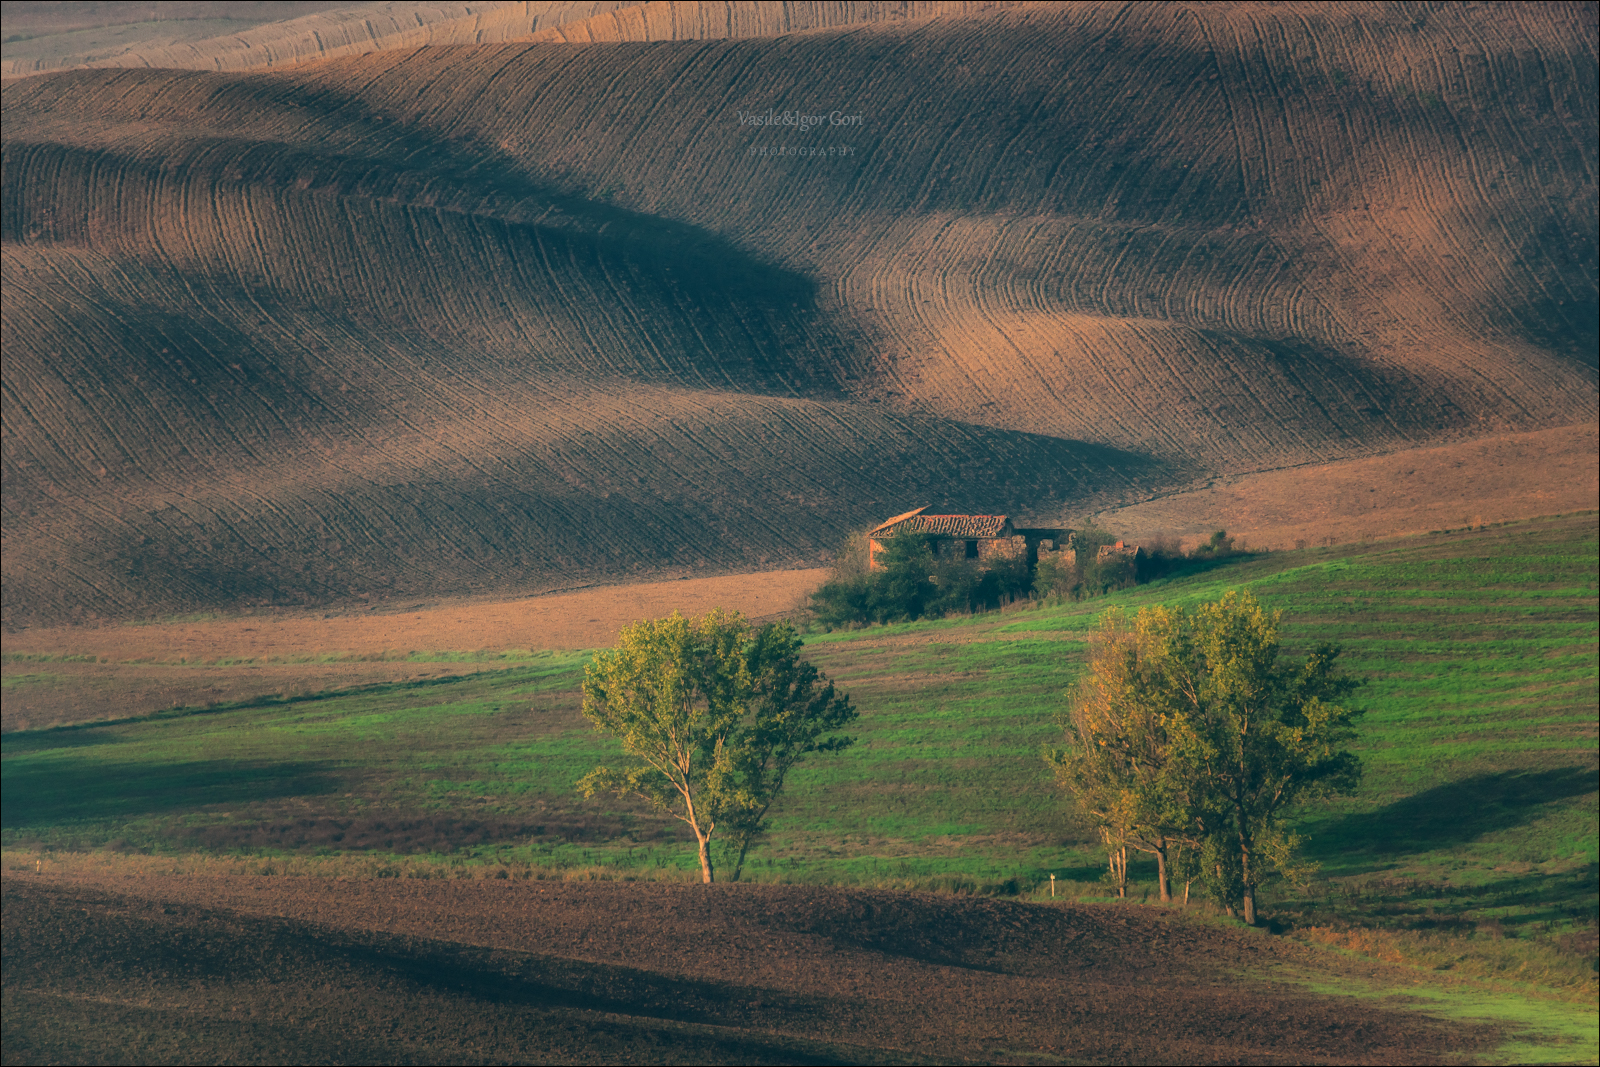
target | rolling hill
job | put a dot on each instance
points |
(499, 316)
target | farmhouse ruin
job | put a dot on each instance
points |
(985, 538)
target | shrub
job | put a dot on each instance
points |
(902, 589)
(1220, 546)
(913, 583)
(1087, 575)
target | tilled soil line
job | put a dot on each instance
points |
(242, 969)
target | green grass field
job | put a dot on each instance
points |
(1478, 808)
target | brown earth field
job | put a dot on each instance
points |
(471, 315)
(1488, 480)
(139, 968)
(243, 35)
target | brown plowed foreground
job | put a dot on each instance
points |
(495, 318)
(205, 970)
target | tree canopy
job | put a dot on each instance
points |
(912, 581)
(714, 714)
(1189, 732)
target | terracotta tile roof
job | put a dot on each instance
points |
(943, 525)
(898, 518)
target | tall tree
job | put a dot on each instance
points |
(1189, 731)
(715, 715)
(1117, 762)
(1256, 735)
(670, 692)
(791, 705)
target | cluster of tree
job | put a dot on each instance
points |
(1087, 574)
(714, 713)
(913, 582)
(1189, 740)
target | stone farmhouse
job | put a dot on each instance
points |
(974, 537)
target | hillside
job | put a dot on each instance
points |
(491, 317)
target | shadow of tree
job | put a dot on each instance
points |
(77, 735)
(1452, 814)
(84, 791)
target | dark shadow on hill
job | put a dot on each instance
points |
(422, 832)
(77, 735)
(1453, 814)
(1534, 901)
(68, 791)
(1177, 570)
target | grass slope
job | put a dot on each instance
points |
(453, 319)
(1478, 805)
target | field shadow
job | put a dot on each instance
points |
(1549, 897)
(1454, 813)
(64, 791)
(86, 735)
(1533, 901)
(1190, 567)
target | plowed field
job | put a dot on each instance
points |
(208, 970)
(494, 318)
(253, 36)
(1473, 483)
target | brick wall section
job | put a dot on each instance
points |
(1003, 548)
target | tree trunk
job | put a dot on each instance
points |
(1161, 870)
(752, 829)
(1246, 875)
(707, 875)
(738, 864)
(1226, 906)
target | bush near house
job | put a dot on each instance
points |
(913, 583)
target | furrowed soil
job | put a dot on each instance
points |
(472, 315)
(266, 969)
(254, 36)
(1422, 490)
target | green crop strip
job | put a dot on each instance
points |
(1479, 739)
